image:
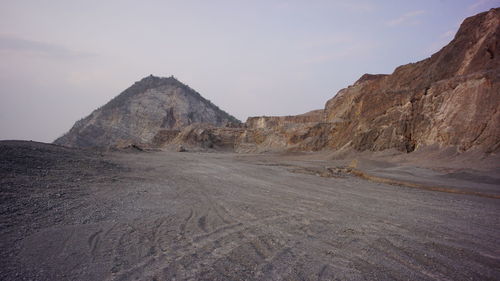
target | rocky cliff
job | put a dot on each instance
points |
(141, 111)
(276, 133)
(451, 99)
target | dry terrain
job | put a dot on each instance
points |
(69, 214)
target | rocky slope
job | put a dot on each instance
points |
(280, 132)
(451, 99)
(258, 134)
(141, 111)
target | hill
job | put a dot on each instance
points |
(138, 113)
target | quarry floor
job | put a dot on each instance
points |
(71, 214)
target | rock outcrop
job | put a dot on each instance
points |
(451, 99)
(200, 136)
(278, 133)
(143, 113)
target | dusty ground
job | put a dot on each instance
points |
(85, 215)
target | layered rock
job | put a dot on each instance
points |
(275, 133)
(262, 122)
(139, 113)
(200, 136)
(449, 99)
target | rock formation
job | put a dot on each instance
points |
(281, 133)
(449, 99)
(150, 107)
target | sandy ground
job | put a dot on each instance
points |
(86, 215)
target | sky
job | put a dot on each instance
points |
(60, 60)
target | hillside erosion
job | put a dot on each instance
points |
(451, 99)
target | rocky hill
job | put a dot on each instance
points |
(141, 111)
(451, 99)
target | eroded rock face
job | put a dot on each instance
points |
(277, 133)
(263, 122)
(449, 99)
(139, 113)
(209, 137)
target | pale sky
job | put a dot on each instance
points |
(59, 60)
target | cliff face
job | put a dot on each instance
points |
(141, 111)
(277, 133)
(262, 122)
(449, 99)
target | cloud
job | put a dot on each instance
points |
(407, 18)
(26, 46)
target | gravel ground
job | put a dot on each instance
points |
(68, 214)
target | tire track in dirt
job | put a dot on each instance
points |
(66, 241)
(322, 271)
(182, 227)
(158, 232)
(93, 242)
(278, 267)
(231, 239)
(202, 247)
(409, 260)
(221, 229)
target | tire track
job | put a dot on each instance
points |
(93, 241)
(182, 227)
(204, 247)
(322, 272)
(399, 255)
(219, 215)
(68, 238)
(277, 267)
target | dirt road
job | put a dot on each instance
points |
(85, 215)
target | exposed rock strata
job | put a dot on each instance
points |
(449, 99)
